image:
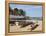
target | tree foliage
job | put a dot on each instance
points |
(19, 12)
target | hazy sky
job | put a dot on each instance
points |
(31, 10)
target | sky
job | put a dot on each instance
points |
(31, 10)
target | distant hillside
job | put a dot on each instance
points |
(37, 18)
(34, 18)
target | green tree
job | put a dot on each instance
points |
(21, 12)
(15, 11)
